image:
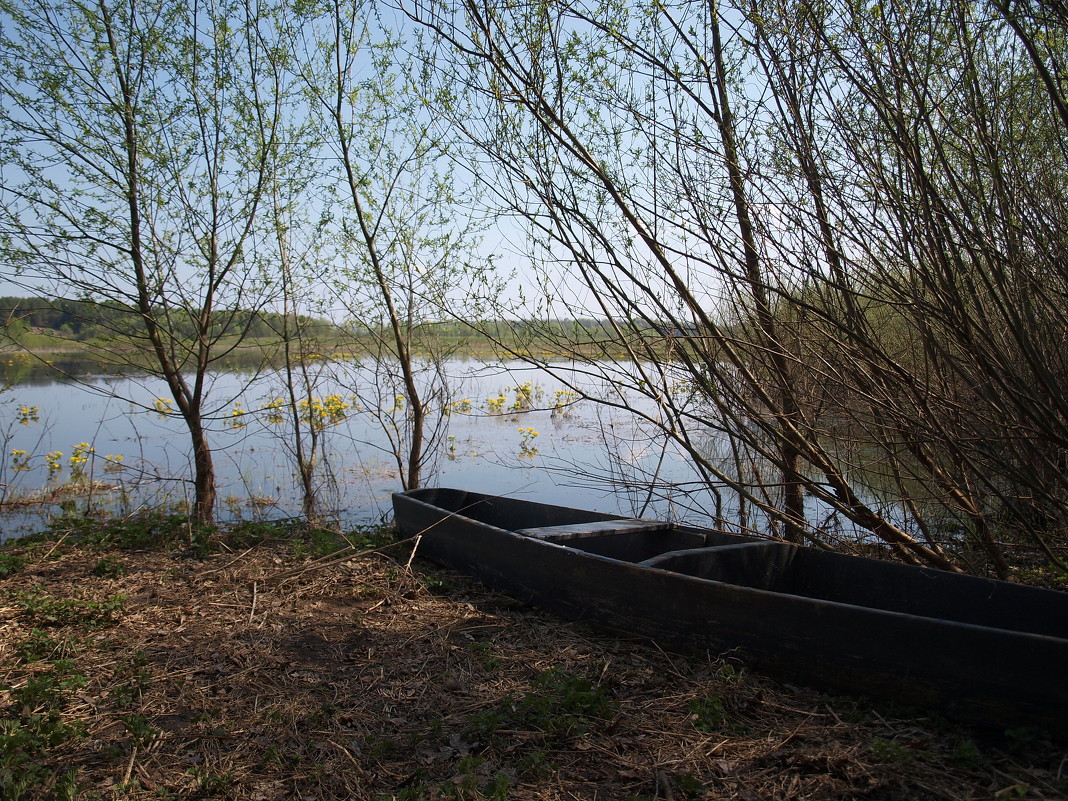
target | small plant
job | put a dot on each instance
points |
(466, 785)
(55, 466)
(208, 782)
(496, 405)
(140, 730)
(10, 564)
(163, 407)
(274, 409)
(459, 407)
(320, 413)
(20, 460)
(526, 395)
(708, 713)
(689, 786)
(109, 567)
(560, 704)
(562, 401)
(33, 725)
(40, 645)
(45, 611)
(536, 766)
(888, 751)
(237, 417)
(134, 532)
(526, 446)
(483, 652)
(83, 451)
(967, 753)
(315, 543)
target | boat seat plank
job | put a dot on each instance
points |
(674, 560)
(599, 527)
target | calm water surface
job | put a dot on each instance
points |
(584, 457)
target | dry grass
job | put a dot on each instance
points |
(235, 677)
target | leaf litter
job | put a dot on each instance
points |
(260, 675)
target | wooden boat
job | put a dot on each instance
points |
(979, 650)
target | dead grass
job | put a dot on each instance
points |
(234, 677)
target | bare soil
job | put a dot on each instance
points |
(255, 674)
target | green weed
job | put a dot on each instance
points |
(109, 567)
(483, 652)
(888, 751)
(40, 645)
(708, 713)
(536, 766)
(33, 725)
(466, 785)
(315, 543)
(136, 532)
(140, 730)
(562, 705)
(689, 786)
(209, 782)
(45, 611)
(10, 564)
(130, 682)
(374, 536)
(967, 753)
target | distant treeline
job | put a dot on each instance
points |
(82, 320)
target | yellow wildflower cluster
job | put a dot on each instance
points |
(459, 407)
(83, 451)
(52, 461)
(163, 407)
(28, 414)
(526, 395)
(274, 409)
(562, 398)
(526, 447)
(496, 405)
(113, 463)
(323, 412)
(20, 460)
(236, 416)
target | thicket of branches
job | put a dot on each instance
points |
(850, 218)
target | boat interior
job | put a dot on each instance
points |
(808, 573)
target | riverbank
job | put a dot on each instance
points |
(248, 665)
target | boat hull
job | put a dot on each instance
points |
(978, 650)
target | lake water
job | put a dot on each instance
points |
(581, 454)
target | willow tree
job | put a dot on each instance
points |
(136, 141)
(820, 233)
(404, 237)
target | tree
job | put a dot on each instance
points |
(402, 242)
(136, 140)
(811, 216)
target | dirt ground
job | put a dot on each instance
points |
(256, 673)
